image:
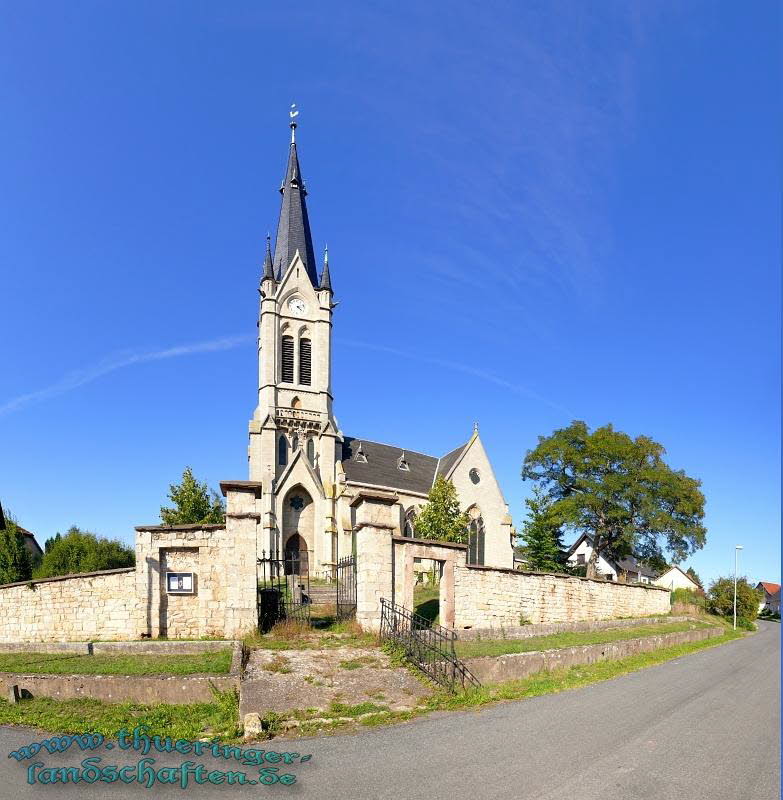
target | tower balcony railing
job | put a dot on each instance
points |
(298, 413)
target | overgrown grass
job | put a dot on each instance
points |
(219, 719)
(556, 641)
(217, 662)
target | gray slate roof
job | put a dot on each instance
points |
(293, 229)
(381, 467)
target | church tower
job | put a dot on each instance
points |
(293, 422)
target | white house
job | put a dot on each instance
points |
(675, 578)
(771, 600)
(629, 569)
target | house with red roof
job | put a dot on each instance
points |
(771, 599)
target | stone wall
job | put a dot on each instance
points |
(97, 605)
(133, 603)
(486, 597)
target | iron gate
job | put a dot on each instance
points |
(346, 587)
(283, 589)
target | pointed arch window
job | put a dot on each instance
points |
(282, 451)
(476, 538)
(305, 361)
(311, 451)
(295, 443)
(409, 528)
(287, 360)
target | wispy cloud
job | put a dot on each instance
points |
(76, 378)
(466, 369)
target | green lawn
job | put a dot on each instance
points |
(216, 662)
(499, 647)
(219, 718)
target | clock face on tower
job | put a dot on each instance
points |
(297, 306)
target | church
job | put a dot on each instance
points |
(308, 469)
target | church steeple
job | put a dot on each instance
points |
(293, 229)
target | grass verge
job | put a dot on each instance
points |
(219, 718)
(556, 641)
(215, 663)
(533, 686)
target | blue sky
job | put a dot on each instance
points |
(535, 212)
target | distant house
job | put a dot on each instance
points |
(771, 599)
(29, 539)
(675, 578)
(627, 569)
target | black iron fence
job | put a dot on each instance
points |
(346, 587)
(283, 589)
(427, 645)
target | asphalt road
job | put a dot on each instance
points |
(703, 727)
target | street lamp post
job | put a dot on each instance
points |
(736, 553)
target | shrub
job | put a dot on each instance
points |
(81, 551)
(721, 598)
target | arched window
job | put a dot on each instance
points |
(282, 451)
(311, 451)
(304, 361)
(295, 444)
(409, 528)
(287, 360)
(475, 538)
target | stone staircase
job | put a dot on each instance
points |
(323, 594)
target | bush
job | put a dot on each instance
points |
(721, 598)
(81, 551)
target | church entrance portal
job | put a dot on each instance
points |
(296, 555)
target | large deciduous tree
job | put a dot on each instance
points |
(542, 534)
(194, 503)
(82, 551)
(440, 518)
(620, 491)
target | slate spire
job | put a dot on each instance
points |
(293, 229)
(326, 281)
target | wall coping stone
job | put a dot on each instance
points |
(436, 543)
(388, 498)
(602, 581)
(240, 486)
(192, 527)
(68, 577)
(382, 526)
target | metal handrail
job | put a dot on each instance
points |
(428, 646)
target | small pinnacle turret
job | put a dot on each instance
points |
(326, 281)
(269, 271)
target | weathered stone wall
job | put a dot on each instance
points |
(485, 597)
(131, 603)
(98, 605)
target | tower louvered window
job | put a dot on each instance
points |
(304, 361)
(287, 362)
